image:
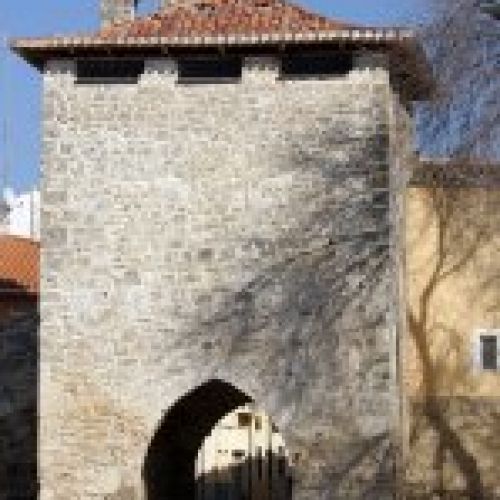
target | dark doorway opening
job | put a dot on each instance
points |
(172, 466)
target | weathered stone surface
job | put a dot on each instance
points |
(238, 232)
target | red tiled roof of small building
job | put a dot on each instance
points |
(19, 265)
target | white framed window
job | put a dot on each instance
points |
(487, 350)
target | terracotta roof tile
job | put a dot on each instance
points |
(208, 18)
(202, 24)
(19, 265)
(225, 17)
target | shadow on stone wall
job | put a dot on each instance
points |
(320, 302)
(19, 326)
(324, 276)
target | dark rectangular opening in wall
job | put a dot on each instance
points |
(489, 352)
(240, 454)
(316, 65)
(260, 462)
(109, 70)
(210, 70)
(244, 419)
(258, 423)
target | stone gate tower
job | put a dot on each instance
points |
(220, 221)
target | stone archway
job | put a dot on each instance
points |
(169, 467)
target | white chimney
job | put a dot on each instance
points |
(4, 216)
(117, 11)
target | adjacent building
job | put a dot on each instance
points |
(244, 457)
(451, 349)
(19, 291)
(22, 214)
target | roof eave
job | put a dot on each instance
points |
(455, 173)
(77, 42)
(37, 51)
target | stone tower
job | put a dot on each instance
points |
(221, 211)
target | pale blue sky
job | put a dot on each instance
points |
(20, 84)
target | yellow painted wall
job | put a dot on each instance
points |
(452, 287)
(452, 284)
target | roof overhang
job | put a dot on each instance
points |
(407, 58)
(456, 173)
(369, 34)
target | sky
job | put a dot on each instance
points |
(20, 91)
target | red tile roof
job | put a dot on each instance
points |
(224, 18)
(19, 265)
(198, 23)
(211, 24)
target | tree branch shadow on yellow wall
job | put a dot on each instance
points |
(443, 357)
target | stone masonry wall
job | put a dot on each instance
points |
(238, 232)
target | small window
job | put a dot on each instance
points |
(489, 352)
(258, 423)
(304, 65)
(239, 454)
(213, 70)
(244, 419)
(109, 70)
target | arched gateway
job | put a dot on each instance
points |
(182, 461)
